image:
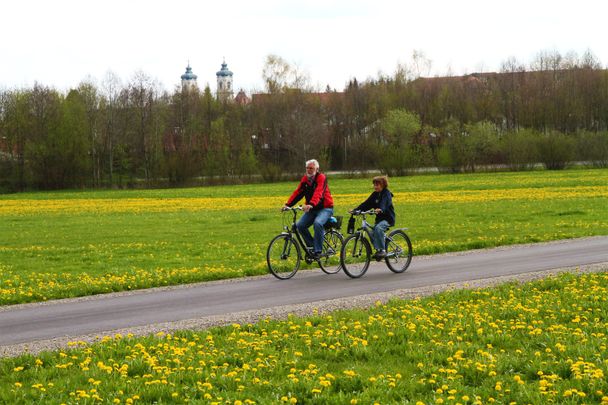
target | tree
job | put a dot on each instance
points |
(44, 138)
(556, 150)
(592, 147)
(15, 130)
(421, 64)
(400, 149)
(90, 98)
(279, 75)
(108, 105)
(520, 149)
(145, 131)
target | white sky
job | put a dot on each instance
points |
(61, 42)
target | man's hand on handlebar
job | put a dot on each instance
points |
(368, 212)
(288, 208)
(306, 207)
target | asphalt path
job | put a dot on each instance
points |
(64, 318)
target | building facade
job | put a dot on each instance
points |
(189, 79)
(225, 90)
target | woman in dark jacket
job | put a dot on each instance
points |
(381, 200)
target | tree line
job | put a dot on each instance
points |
(552, 111)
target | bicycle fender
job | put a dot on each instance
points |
(399, 229)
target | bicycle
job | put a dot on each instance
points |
(356, 249)
(284, 252)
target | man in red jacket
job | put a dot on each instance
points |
(319, 206)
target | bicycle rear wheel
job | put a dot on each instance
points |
(330, 257)
(398, 251)
(355, 255)
(283, 256)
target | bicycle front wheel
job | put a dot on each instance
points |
(330, 257)
(355, 255)
(283, 257)
(398, 251)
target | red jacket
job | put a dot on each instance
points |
(316, 192)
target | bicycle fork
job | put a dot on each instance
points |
(358, 246)
(286, 248)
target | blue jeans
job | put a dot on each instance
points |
(318, 218)
(378, 235)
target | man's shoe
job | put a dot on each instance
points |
(380, 254)
(316, 255)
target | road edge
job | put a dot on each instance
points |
(282, 312)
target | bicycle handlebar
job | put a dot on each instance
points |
(298, 208)
(368, 212)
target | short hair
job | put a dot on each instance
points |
(382, 180)
(314, 162)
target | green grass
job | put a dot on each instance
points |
(45, 255)
(541, 342)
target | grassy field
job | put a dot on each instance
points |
(65, 244)
(542, 342)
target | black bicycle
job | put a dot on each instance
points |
(357, 249)
(284, 252)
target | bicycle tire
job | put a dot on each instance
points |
(398, 251)
(332, 245)
(355, 255)
(283, 256)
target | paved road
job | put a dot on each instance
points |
(104, 313)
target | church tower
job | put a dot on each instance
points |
(224, 84)
(188, 79)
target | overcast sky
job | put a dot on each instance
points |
(59, 43)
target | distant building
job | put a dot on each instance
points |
(225, 92)
(241, 98)
(325, 98)
(189, 79)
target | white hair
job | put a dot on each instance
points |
(314, 162)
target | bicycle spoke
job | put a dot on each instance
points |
(399, 251)
(283, 257)
(355, 256)
(330, 258)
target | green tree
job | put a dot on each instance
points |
(520, 149)
(556, 150)
(400, 149)
(592, 147)
(15, 130)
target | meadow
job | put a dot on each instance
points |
(534, 343)
(75, 243)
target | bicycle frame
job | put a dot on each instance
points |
(367, 229)
(293, 230)
(356, 251)
(365, 226)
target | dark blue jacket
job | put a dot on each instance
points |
(382, 200)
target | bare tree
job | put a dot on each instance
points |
(90, 97)
(143, 93)
(421, 64)
(279, 75)
(111, 87)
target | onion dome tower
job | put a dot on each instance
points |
(224, 83)
(188, 79)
